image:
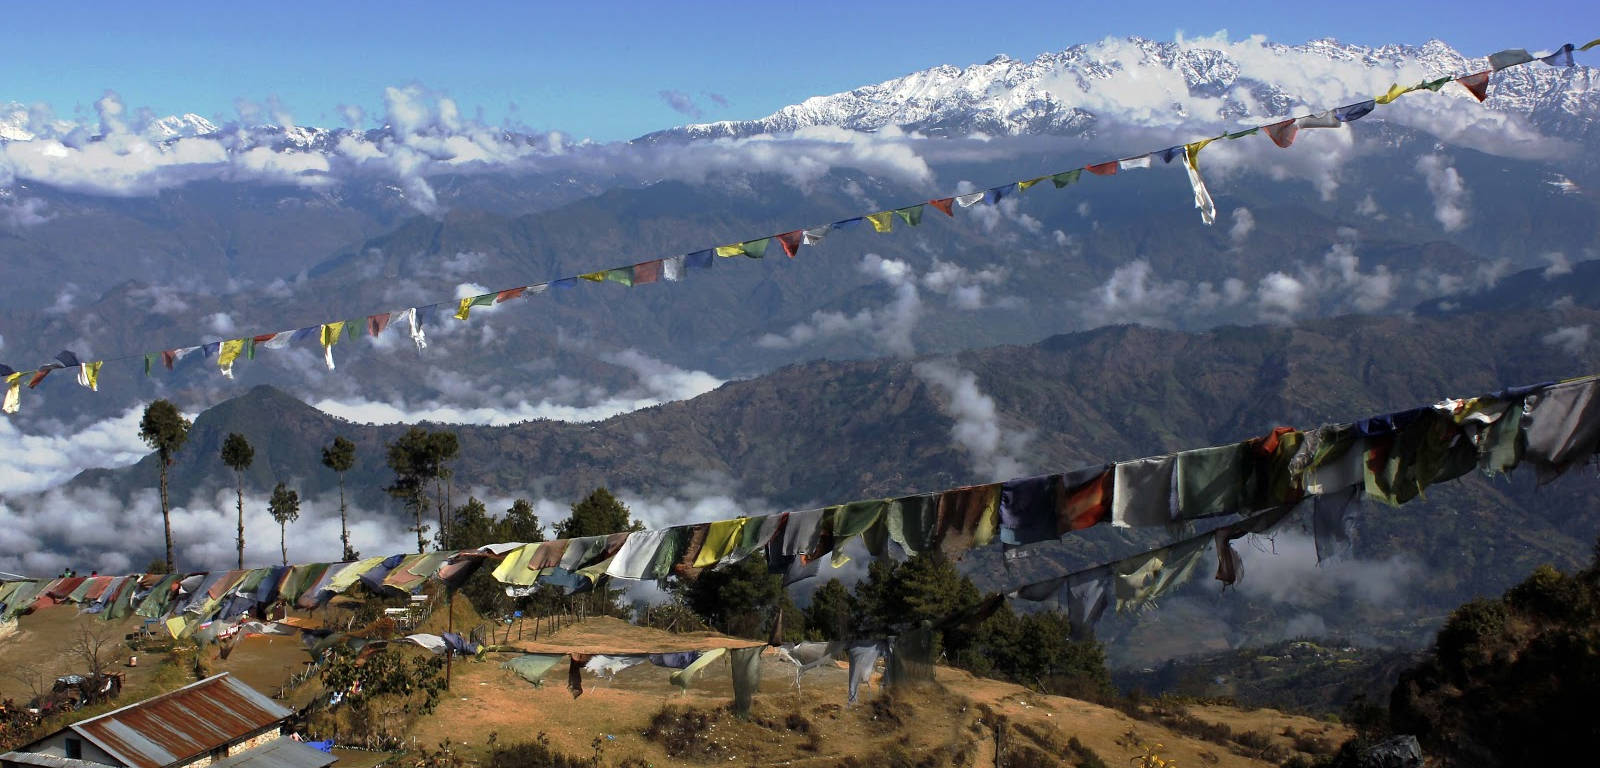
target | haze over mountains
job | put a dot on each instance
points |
(1462, 233)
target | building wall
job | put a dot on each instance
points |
(233, 748)
(56, 745)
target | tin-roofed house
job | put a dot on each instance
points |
(218, 722)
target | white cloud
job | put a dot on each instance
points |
(1449, 191)
(220, 323)
(1244, 222)
(53, 453)
(888, 326)
(1281, 297)
(996, 452)
(1572, 339)
(24, 213)
(1368, 206)
(1287, 571)
(1559, 265)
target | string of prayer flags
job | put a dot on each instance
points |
(676, 268)
(63, 359)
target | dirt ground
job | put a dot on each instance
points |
(958, 720)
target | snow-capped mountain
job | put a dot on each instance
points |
(1155, 83)
(20, 123)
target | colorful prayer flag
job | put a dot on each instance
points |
(376, 323)
(756, 249)
(814, 235)
(227, 353)
(1395, 91)
(912, 215)
(1590, 44)
(1561, 58)
(418, 337)
(1243, 133)
(1202, 196)
(672, 269)
(596, 277)
(1102, 169)
(1353, 112)
(1168, 154)
(790, 242)
(1476, 84)
(995, 194)
(1065, 178)
(944, 204)
(623, 275)
(464, 306)
(330, 337)
(509, 294)
(729, 251)
(697, 260)
(1324, 119)
(1283, 133)
(13, 397)
(969, 200)
(848, 223)
(1133, 163)
(1435, 85)
(89, 375)
(882, 221)
(1022, 186)
(1508, 58)
(646, 273)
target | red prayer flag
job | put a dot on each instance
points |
(264, 338)
(1283, 133)
(38, 376)
(1085, 505)
(1477, 84)
(943, 204)
(1102, 169)
(376, 323)
(509, 294)
(168, 357)
(790, 242)
(648, 272)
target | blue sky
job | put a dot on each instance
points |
(599, 69)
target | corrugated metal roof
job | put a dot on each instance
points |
(280, 753)
(45, 761)
(178, 726)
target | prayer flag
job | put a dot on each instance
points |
(170, 356)
(729, 251)
(509, 294)
(1508, 58)
(229, 352)
(969, 200)
(599, 277)
(1243, 133)
(995, 194)
(1169, 153)
(756, 249)
(1353, 112)
(38, 376)
(623, 275)
(1202, 196)
(882, 221)
(1065, 178)
(538, 288)
(944, 204)
(672, 269)
(697, 260)
(814, 235)
(848, 223)
(305, 333)
(1102, 169)
(1022, 186)
(1477, 84)
(1435, 85)
(912, 215)
(376, 323)
(210, 348)
(1590, 44)
(1395, 92)
(89, 375)
(13, 397)
(646, 273)
(1561, 58)
(1283, 133)
(790, 242)
(565, 284)
(330, 337)
(418, 337)
(1133, 163)
(464, 307)
(149, 357)
(1324, 119)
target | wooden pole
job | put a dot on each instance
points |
(450, 624)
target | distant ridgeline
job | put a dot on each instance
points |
(1253, 487)
(1282, 133)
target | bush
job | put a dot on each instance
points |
(535, 754)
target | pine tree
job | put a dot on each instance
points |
(165, 430)
(340, 457)
(599, 514)
(238, 456)
(285, 508)
(831, 612)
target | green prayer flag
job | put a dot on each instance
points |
(1066, 177)
(1244, 133)
(622, 275)
(912, 215)
(756, 249)
(1435, 85)
(148, 358)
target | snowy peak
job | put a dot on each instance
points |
(1144, 82)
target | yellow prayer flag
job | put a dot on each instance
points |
(1395, 92)
(230, 352)
(721, 538)
(1191, 152)
(882, 221)
(13, 397)
(1022, 186)
(330, 335)
(89, 375)
(464, 309)
(728, 251)
(175, 625)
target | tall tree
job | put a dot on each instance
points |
(164, 429)
(340, 457)
(830, 613)
(520, 523)
(285, 508)
(442, 447)
(238, 455)
(408, 458)
(599, 514)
